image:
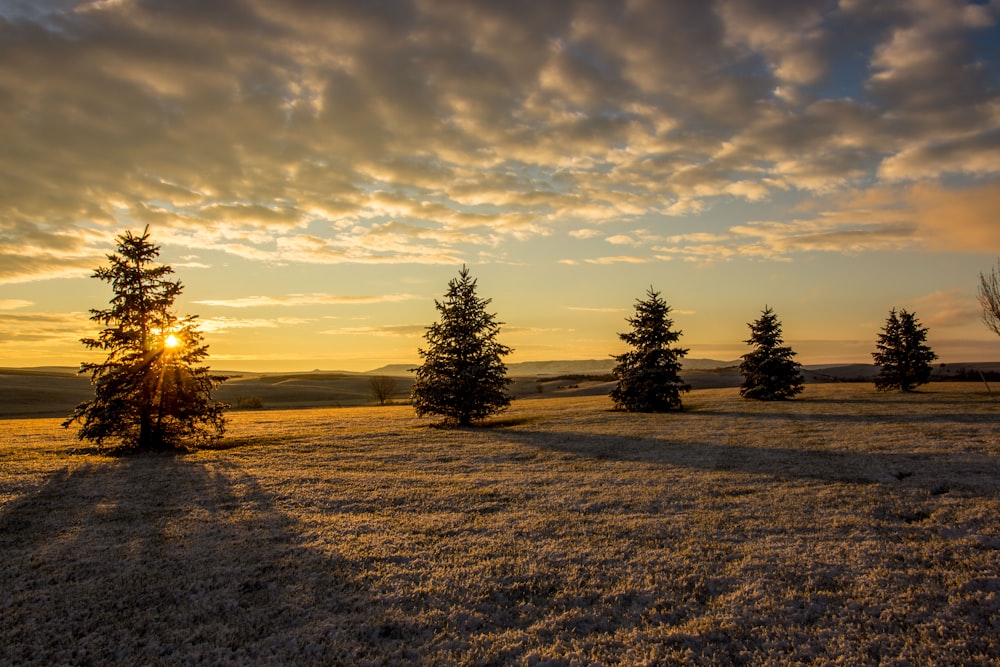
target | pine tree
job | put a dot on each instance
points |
(463, 377)
(903, 358)
(769, 371)
(149, 393)
(647, 375)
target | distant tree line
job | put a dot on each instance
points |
(151, 393)
(964, 374)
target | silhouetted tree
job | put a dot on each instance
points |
(769, 371)
(647, 375)
(149, 393)
(901, 353)
(989, 298)
(382, 387)
(463, 377)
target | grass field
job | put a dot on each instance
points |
(845, 527)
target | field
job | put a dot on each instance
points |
(845, 527)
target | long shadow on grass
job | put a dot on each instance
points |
(151, 559)
(885, 416)
(969, 472)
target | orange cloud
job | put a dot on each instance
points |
(964, 220)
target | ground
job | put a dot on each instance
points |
(844, 527)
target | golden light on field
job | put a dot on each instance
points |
(837, 526)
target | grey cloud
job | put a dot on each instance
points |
(318, 123)
(789, 35)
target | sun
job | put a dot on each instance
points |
(171, 341)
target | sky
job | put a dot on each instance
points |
(317, 171)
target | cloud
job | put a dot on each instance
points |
(790, 36)
(946, 309)
(824, 234)
(312, 299)
(937, 88)
(973, 154)
(424, 133)
(957, 220)
(30, 252)
(43, 328)
(398, 330)
(588, 309)
(617, 259)
(621, 239)
(222, 325)
(14, 304)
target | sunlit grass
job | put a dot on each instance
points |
(843, 527)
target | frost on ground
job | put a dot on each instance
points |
(846, 527)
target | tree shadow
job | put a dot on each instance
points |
(968, 472)
(774, 413)
(161, 558)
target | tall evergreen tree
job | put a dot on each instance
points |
(769, 371)
(463, 377)
(648, 374)
(903, 358)
(149, 393)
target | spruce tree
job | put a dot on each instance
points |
(769, 371)
(463, 377)
(903, 358)
(648, 374)
(149, 392)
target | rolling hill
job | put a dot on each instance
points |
(54, 391)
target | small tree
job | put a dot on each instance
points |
(382, 387)
(647, 375)
(463, 377)
(149, 393)
(903, 358)
(989, 298)
(769, 371)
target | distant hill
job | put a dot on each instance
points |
(42, 392)
(559, 367)
(54, 391)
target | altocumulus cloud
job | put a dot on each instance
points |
(416, 131)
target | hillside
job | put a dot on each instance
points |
(560, 367)
(53, 392)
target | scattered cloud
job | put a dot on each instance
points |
(589, 309)
(946, 309)
(962, 220)
(14, 304)
(305, 300)
(222, 325)
(336, 133)
(59, 328)
(617, 259)
(397, 330)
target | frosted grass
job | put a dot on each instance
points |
(844, 527)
